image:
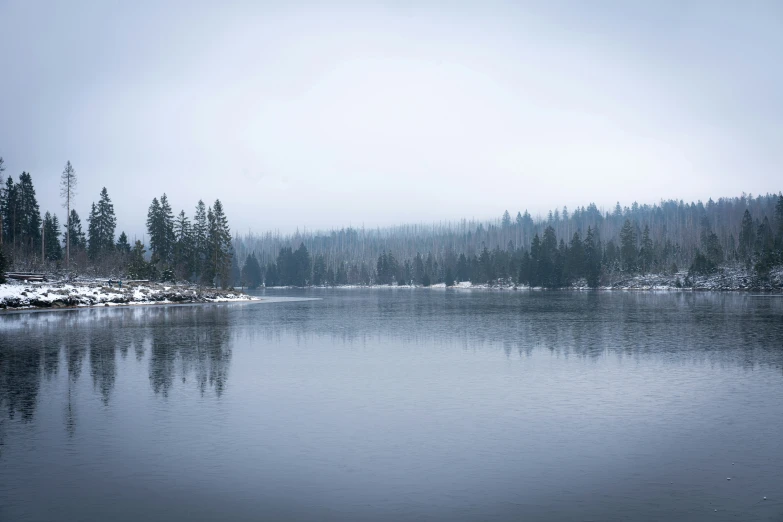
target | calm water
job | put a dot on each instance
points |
(397, 405)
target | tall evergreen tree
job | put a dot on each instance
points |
(27, 214)
(138, 268)
(3, 264)
(576, 257)
(646, 251)
(592, 259)
(123, 247)
(93, 237)
(8, 211)
(251, 272)
(101, 227)
(779, 221)
(52, 248)
(184, 247)
(160, 227)
(107, 222)
(74, 236)
(200, 232)
(218, 245)
(628, 252)
(747, 236)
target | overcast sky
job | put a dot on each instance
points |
(392, 112)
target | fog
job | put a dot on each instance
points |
(296, 116)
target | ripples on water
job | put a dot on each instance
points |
(397, 405)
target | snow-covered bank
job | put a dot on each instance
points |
(60, 295)
(724, 279)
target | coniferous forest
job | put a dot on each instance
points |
(197, 250)
(587, 244)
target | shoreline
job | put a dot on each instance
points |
(93, 294)
(727, 279)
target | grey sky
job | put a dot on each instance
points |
(392, 112)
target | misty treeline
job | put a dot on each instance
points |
(586, 244)
(180, 248)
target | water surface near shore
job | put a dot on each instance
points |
(397, 405)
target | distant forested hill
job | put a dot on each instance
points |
(566, 245)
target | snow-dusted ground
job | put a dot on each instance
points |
(16, 295)
(727, 278)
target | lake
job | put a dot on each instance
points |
(397, 404)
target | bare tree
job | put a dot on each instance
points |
(68, 191)
(2, 169)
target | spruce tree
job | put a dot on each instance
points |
(628, 253)
(52, 248)
(200, 231)
(74, 233)
(167, 230)
(138, 267)
(449, 277)
(93, 237)
(8, 211)
(592, 259)
(123, 247)
(27, 214)
(3, 264)
(160, 227)
(218, 245)
(576, 257)
(251, 272)
(747, 236)
(107, 223)
(184, 248)
(646, 250)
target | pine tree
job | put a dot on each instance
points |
(628, 252)
(251, 272)
(646, 250)
(138, 267)
(200, 232)
(506, 220)
(592, 259)
(218, 245)
(101, 226)
(301, 260)
(184, 248)
(449, 277)
(107, 223)
(28, 215)
(463, 269)
(75, 234)
(576, 257)
(779, 220)
(747, 236)
(167, 230)
(93, 237)
(52, 248)
(8, 211)
(3, 264)
(271, 277)
(123, 247)
(160, 227)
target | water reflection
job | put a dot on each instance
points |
(186, 345)
(188, 342)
